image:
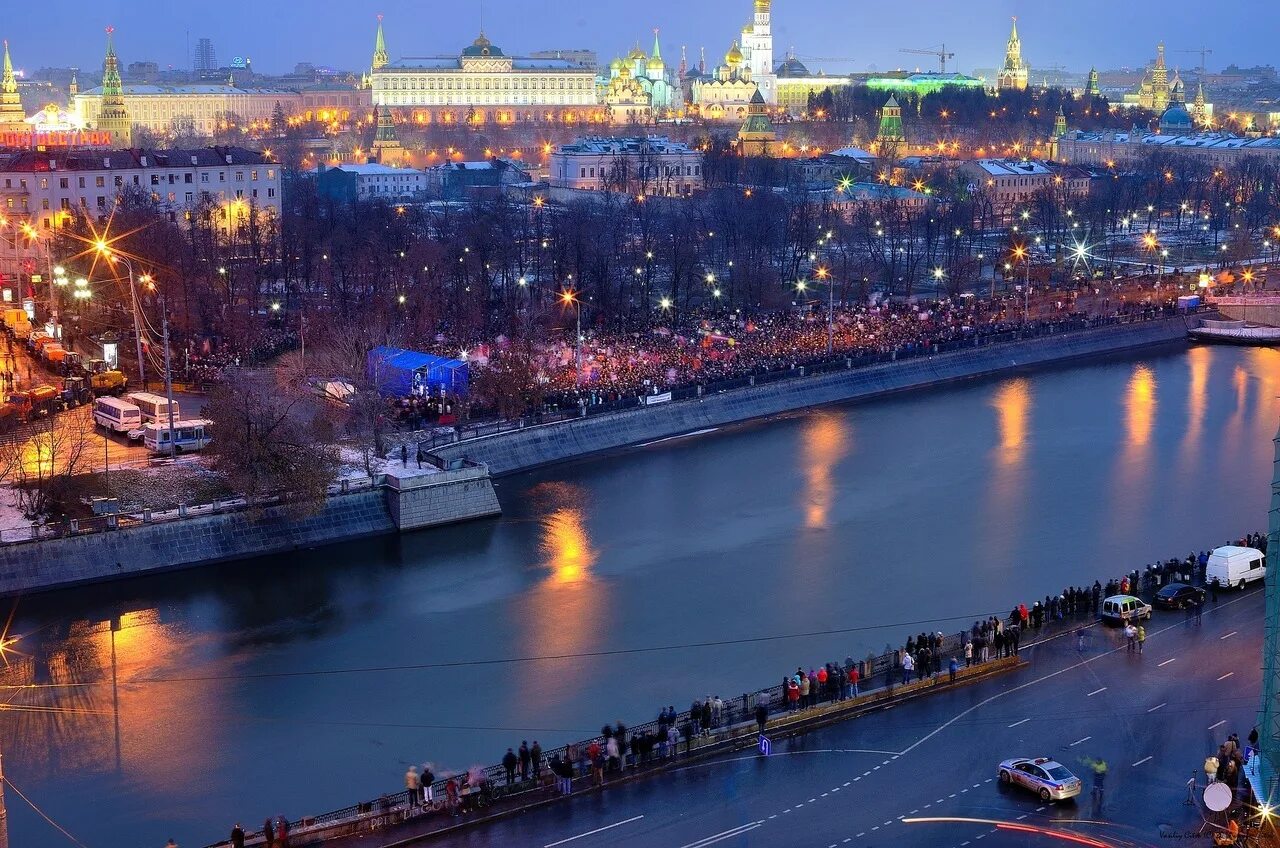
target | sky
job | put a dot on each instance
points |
(834, 35)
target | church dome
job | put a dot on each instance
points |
(734, 57)
(636, 53)
(763, 5)
(482, 47)
(615, 65)
(1176, 119)
(792, 68)
(656, 65)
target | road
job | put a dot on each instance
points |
(1152, 717)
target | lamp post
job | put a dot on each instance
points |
(823, 273)
(568, 297)
(106, 251)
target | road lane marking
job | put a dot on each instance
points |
(877, 827)
(825, 794)
(1016, 723)
(1229, 635)
(1021, 817)
(939, 801)
(1096, 691)
(774, 816)
(833, 789)
(976, 785)
(1143, 760)
(594, 832)
(846, 783)
(886, 824)
(952, 795)
(1079, 741)
(1156, 707)
(962, 844)
(811, 800)
(1225, 676)
(1039, 809)
(860, 835)
(1219, 724)
(1166, 662)
(913, 812)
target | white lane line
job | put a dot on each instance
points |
(860, 835)
(976, 785)
(1166, 662)
(774, 816)
(847, 839)
(927, 806)
(886, 762)
(1016, 723)
(1225, 676)
(867, 772)
(856, 779)
(877, 827)
(1079, 741)
(825, 794)
(939, 801)
(989, 779)
(952, 795)
(594, 832)
(1021, 817)
(1039, 809)
(1143, 760)
(833, 789)
(962, 791)
(962, 844)
(886, 824)
(846, 783)
(811, 800)
(1096, 691)
(1156, 707)
(913, 812)
(1218, 724)
(1229, 635)
(979, 836)
(877, 768)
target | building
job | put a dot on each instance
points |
(1015, 73)
(891, 139)
(12, 116)
(725, 93)
(484, 85)
(579, 56)
(1094, 88)
(1114, 149)
(204, 60)
(1154, 92)
(48, 187)
(1011, 183)
(921, 83)
(641, 87)
(370, 182)
(649, 165)
(757, 137)
(209, 107)
(757, 51)
(387, 148)
(111, 113)
(795, 85)
(459, 180)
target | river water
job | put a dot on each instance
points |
(178, 704)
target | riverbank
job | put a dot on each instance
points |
(524, 448)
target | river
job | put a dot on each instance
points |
(177, 704)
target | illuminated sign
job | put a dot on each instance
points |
(72, 138)
(239, 63)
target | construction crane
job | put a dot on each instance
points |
(1204, 55)
(940, 51)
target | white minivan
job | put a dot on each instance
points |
(189, 435)
(117, 415)
(1235, 566)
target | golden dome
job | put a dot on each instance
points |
(615, 65)
(655, 64)
(763, 5)
(734, 56)
(625, 72)
(636, 53)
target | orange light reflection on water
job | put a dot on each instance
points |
(1140, 406)
(825, 442)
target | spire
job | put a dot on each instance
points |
(380, 58)
(1060, 123)
(114, 117)
(11, 114)
(657, 51)
(891, 141)
(702, 62)
(1095, 90)
(683, 70)
(1014, 41)
(74, 88)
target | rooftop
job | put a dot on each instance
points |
(372, 169)
(125, 160)
(1013, 168)
(189, 90)
(613, 146)
(1208, 141)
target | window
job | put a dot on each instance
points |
(64, 183)
(44, 183)
(172, 196)
(100, 182)
(66, 203)
(155, 179)
(253, 175)
(44, 204)
(222, 176)
(271, 192)
(82, 182)
(271, 173)
(102, 202)
(239, 176)
(186, 178)
(119, 181)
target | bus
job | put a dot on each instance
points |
(154, 407)
(191, 434)
(117, 415)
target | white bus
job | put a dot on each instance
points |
(189, 435)
(117, 415)
(154, 407)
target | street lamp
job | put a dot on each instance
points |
(823, 273)
(106, 252)
(568, 297)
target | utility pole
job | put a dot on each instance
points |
(168, 374)
(4, 813)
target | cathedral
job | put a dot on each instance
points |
(726, 92)
(1015, 72)
(640, 87)
(1155, 92)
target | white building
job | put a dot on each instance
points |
(157, 107)
(46, 188)
(371, 182)
(652, 165)
(757, 51)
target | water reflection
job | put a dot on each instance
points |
(825, 441)
(567, 609)
(1140, 406)
(1011, 401)
(1199, 360)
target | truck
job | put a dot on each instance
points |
(33, 403)
(108, 383)
(53, 354)
(17, 323)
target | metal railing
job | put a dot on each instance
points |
(801, 368)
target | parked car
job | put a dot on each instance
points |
(1049, 779)
(1232, 565)
(1121, 609)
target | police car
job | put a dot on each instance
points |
(1047, 778)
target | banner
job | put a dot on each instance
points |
(650, 400)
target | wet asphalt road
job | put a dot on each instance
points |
(1151, 717)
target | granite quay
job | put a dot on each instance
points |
(927, 663)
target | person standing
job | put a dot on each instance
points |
(237, 836)
(854, 677)
(535, 754)
(413, 786)
(952, 668)
(509, 763)
(268, 832)
(1142, 637)
(762, 716)
(282, 832)
(428, 778)
(908, 666)
(526, 760)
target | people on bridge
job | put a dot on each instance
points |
(535, 757)
(237, 836)
(509, 763)
(268, 832)
(526, 759)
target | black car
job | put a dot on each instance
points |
(1178, 596)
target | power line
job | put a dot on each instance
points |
(51, 822)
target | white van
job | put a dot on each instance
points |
(154, 407)
(1125, 608)
(116, 415)
(190, 435)
(1235, 566)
